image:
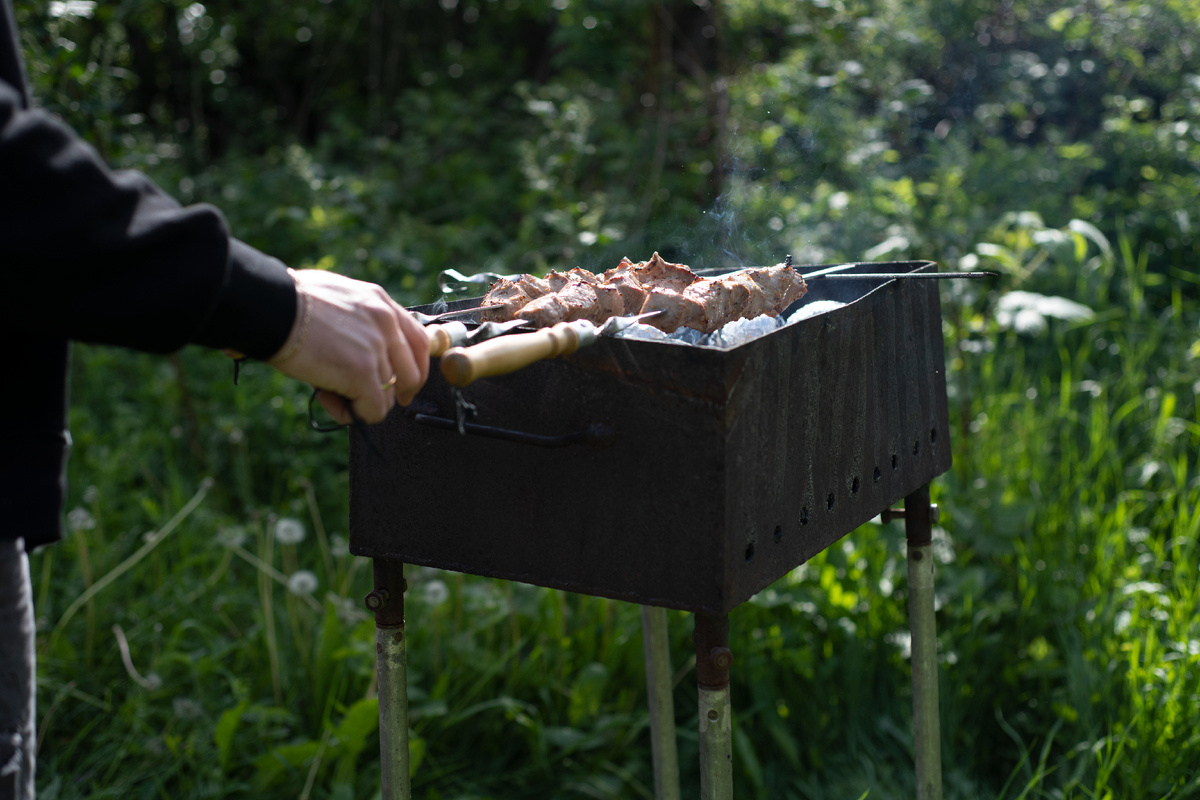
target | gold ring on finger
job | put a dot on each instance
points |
(391, 382)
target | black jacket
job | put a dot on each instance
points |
(100, 256)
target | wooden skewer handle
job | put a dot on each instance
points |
(439, 340)
(500, 356)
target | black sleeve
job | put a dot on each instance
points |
(101, 256)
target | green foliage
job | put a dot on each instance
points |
(1056, 144)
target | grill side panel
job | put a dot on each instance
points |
(830, 425)
(638, 520)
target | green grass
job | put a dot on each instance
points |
(1068, 596)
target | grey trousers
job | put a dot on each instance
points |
(17, 686)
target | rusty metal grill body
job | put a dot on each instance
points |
(698, 476)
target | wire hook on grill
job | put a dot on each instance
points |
(464, 409)
(357, 424)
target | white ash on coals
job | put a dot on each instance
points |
(733, 334)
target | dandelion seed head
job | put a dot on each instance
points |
(302, 582)
(80, 519)
(289, 531)
(436, 592)
(231, 536)
(186, 708)
(347, 610)
(338, 545)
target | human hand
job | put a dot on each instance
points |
(355, 345)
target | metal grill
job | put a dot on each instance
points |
(672, 476)
(678, 476)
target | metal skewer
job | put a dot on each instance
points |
(826, 271)
(445, 335)
(426, 319)
(929, 276)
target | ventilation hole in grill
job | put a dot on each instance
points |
(829, 501)
(750, 551)
(895, 462)
(916, 446)
(877, 475)
(804, 516)
(778, 534)
(854, 485)
(932, 435)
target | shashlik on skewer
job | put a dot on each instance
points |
(682, 298)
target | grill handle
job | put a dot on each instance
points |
(596, 436)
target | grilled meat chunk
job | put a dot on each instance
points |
(632, 292)
(504, 300)
(708, 304)
(577, 300)
(662, 274)
(507, 297)
(676, 310)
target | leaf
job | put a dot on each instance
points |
(361, 720)
(272, 766)
(1093, 233)
(785, 742)
(416, 753)
(227, 726)
(587, 692)
(747, 758)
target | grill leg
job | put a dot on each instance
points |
(713, 660)
(927, 739)
(662, 706)
(387, 601)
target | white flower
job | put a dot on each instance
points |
(80, 519)
(289, 531)
(302, 582)
(91, 494)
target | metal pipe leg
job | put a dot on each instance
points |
(662, 705)
(387, 601)
(713, 660)
(927, 741)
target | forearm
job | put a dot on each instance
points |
(103, 256)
